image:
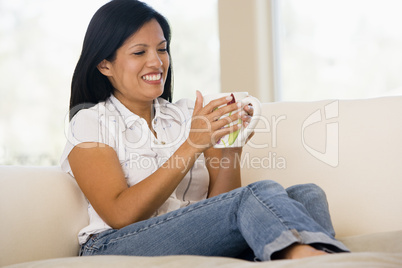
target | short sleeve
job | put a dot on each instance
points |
(85, 126)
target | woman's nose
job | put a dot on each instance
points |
(154, 60)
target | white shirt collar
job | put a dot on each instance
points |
(167, 110)
(163, 109)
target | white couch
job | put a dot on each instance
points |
(351, 148)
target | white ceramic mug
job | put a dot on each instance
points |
(239, 137)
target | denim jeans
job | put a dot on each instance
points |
(262, 216)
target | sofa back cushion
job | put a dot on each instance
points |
(41, 209)
(351, 148)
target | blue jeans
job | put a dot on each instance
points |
(262, 216)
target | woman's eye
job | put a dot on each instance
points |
(139, 53)
(163, 50)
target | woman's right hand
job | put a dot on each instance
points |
(207, 126)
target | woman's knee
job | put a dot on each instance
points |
(267, 186)
(309, 189)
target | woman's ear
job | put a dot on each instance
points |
(105, 68)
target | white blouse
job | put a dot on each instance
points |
(140, 153)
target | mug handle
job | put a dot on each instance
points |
(245, 132)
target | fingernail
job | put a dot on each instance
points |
(239, 104)
(229, 98)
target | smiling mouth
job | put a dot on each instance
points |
(152, 77)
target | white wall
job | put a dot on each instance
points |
(246, 50)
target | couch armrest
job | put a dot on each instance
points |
(41, 209)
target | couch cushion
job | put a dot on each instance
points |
(344, 260)
(41, 209)
(351, 148)
(390, 242)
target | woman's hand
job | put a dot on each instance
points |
(225, 176)
(246, 118)
(207, 126)
(247, 115)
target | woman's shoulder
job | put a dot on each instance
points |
(90, 113)
(89, 124)
(84, 115)
(101, 113)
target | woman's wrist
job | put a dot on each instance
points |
(227, 152)
(193, 148)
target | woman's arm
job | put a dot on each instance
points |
(224, 164)
(98, 172)
(101, 178)
(224, 170)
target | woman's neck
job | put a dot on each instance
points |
(145, 111)
(142, 109)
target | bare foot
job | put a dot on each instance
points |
(298, 251)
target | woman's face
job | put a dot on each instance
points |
(139, 70)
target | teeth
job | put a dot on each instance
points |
(154, 77)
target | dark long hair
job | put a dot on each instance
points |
(109, 28)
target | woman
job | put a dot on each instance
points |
(148, 168)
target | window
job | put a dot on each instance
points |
(339, 49)
(40, 45)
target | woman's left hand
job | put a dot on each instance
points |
(248, 112)
(246, 118)
(229, 170)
